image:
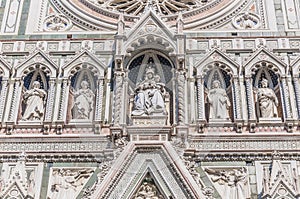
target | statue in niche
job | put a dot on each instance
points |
(83, 104)
(267, 101)
(67, 183)
(35, 100)
(219, 102)
(149, 95)
(234, 182)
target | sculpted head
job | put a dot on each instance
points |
(84, 84)
(216, 84)
(36, 84)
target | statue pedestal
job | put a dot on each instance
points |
(269, 120)
(150, 120)
(219, 122)
(149, 128)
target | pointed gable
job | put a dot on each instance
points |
(84, 59)
(150, 31)
(263, 55)
(161, 161)
(37, 60)
(203, 66)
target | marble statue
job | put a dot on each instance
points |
(35, 100)
(234, 182)
(149, 95)
(83, 105)
(219, 102)
(147, 191)
(267, 101)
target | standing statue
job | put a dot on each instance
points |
(267, 101)
(149, 95)
(219, 102)
(83, 105)
(35, 100)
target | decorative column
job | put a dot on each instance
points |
(16, 100)
(50, 101)
(99, 100)
(4, 87)
(286, 100)
(119, 79)
(237, 92)
(200, 98)
(181, 97)
(297, 92)
(249, 92)
(64, 100)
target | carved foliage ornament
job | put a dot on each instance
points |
(57, 23)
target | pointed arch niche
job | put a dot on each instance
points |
(162, 67)
(271, 74)
(83, 89)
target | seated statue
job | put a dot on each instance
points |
(219, 102)
(267, 101)
(83, 105)
(34, 100)
(149, 95)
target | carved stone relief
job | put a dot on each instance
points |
(246, 20)
(57, 23)
(67, 182)
(230, 182)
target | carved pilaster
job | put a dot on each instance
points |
(4, 86)
(99, 100)
(50, 101)
(181, 98)
(200, 98)
(16, 100)
(237, 92)
(64, 100)
(286, 97)
(251, 105)
(297, 91)
(119, 79)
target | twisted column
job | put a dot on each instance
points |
(200, 98)
(50, 100)
(14, 109)
(251, 105)
(297, 92)
(181, 94)
(237, 91)
(64, 100)
(99, 100)
(4, 87)
(119, 78)
(286, 98)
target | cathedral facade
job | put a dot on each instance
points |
(149, 99)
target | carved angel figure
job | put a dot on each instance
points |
(83, 105)
(219, 102)
(66, 183)
(34, 99)
(267, 101)
(235, 182)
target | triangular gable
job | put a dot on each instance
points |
(216, 56)
(150, 30)
(38, 57)
(278, 185)
(149, 18)
(15, 186)
(5, 68)
(264, 55)
(137, 160)
(85, 57)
